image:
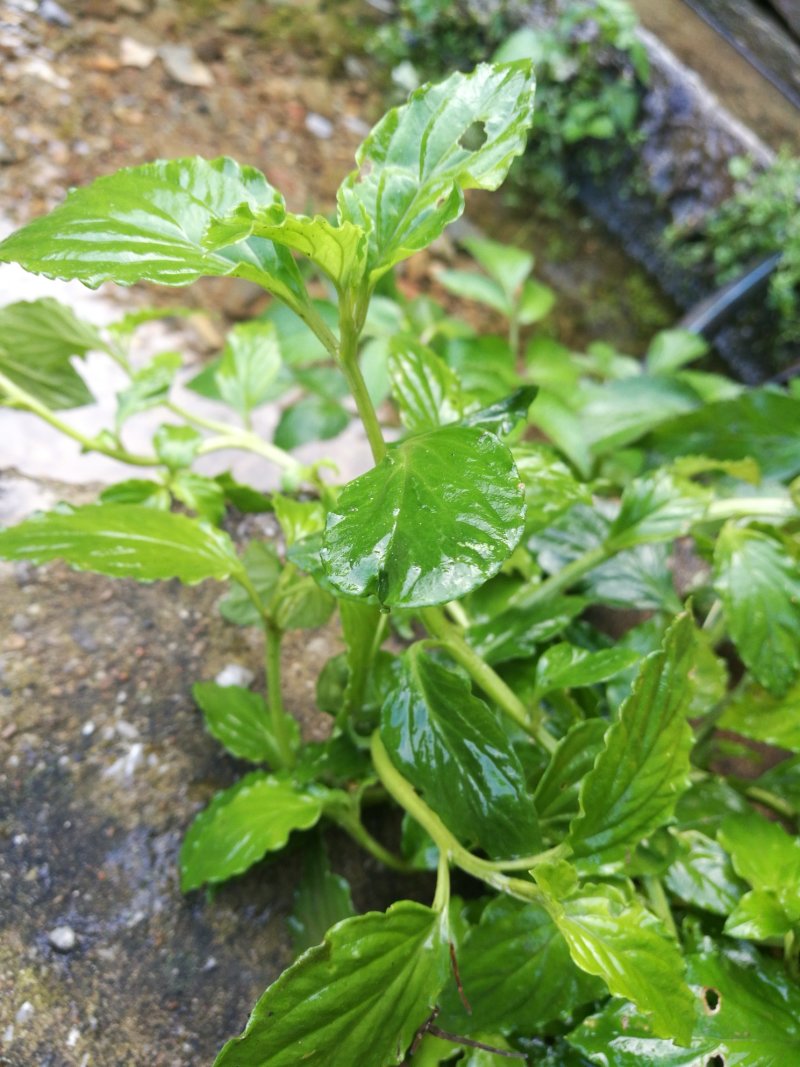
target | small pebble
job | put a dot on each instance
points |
(55, 13)
(63, 938)
(25, 1013)
(235, 674)
(319, 126)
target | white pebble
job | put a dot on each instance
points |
(63, 938)
(235, 674)
(25, 1013)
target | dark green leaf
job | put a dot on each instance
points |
(321, 900)
(249, 365)
(241, 825)
(516, 972)
(424, 388)
(240, 720)
(314, 418)
(458, 481)
(769, 859)
(147, 224)
(502, 416)
(556, 795)
(566, 666)
(450, 746)
(417, 161)
(702, 875)
(517, 632)
(783, 780)
(359, 998)
(762, 424)
(746, 1014)
(124, 541)
(614, 937)
(759, 585)
(149, 387)
(644, 766)
(38, 339)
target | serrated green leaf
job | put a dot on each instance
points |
(203, 495)
(762, 424)
(314, 418)
(644, 766)
(240, 720)
(614, 937)
(260, 561)
(321, 900)
(502, 416)
(517, 632)
(241, 825)
(425, 390)
(566, 666)
(507, 265)
(149, 387)
(759, 585)
(672, 349)
(702, 875)
(147, 224)
(769, 859)
(359, 998)
(450, 746)
(556, 795)
(458, 481)
(299, 603)
(298, 518)
(469, 285)
(249, 365)
(757, 714)
(415, 164)
(745, 1014)
(124, 541)
(657, 507)
(38, 339)
(516, 973)
(177, 446)
(550, 487)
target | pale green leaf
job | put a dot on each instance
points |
(249, 365)
(424, 388)
(124, 541)
(241, 825)
(240, 720)
(149, 387)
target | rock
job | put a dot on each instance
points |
(319, 126)
(184, 67)
(235, 674)
(133, 53)
(25, 1013)
(50, 11)
(63, 938)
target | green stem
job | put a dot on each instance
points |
(251, 442)
(747, 507)
(771, 800)
(402, 791)
(349, 331)
(351, 823)
(277, 713)
(485, 677)
(659, 903)
(567, 576)
(442, 897)
(30, 403)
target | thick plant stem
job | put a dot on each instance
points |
(485, 677)
(405, 795)
(90, 444)
(277, 714)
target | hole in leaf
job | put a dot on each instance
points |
(474, 137)
(713, 1001)
(715, 1061)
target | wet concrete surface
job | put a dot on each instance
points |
(103, 764)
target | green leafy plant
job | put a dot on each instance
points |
(762, 217)
(624, 898)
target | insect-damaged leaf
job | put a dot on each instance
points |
(438, 516)
(359, 998)
(415, 164)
